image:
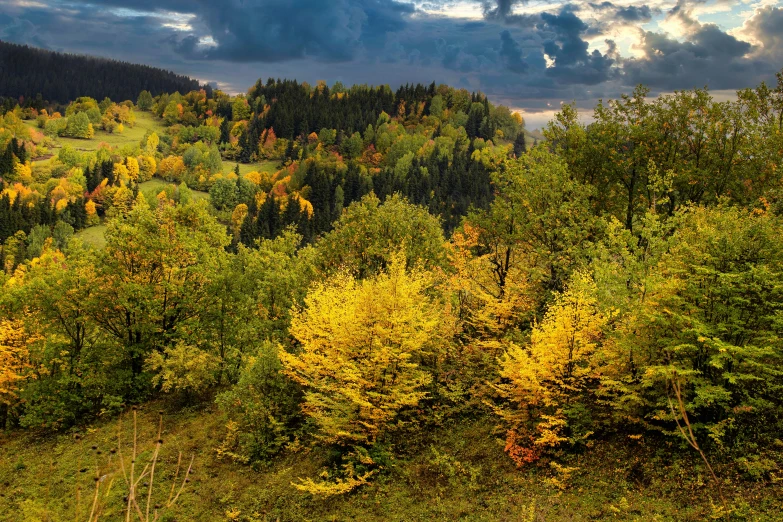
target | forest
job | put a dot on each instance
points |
(348, 303)
(37, 77)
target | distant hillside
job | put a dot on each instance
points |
(59, 77)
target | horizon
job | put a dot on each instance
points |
(529, 55)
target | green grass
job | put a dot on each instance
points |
(261, 166)
(156, 185)
(454, 472)
(93, 236)
(130, 136)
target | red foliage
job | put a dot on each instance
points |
(521, 454)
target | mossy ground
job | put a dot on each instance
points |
(455, 472)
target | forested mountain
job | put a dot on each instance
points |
(59, 77)
(363, 272)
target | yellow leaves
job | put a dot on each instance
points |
(147, 168)
(89, 207)
(122, 173)
(557, 363)
(23, 172)
(238, 217)
(132, 165)
(151, 145)
(15, 342)
(172, 168)
(183, 368)
(330, 487)
(304, 206)
(256, 178)
(363, 343)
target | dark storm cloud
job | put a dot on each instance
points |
(572, 61)
(630, 14)
(511, 54)
(278, 30)
(710, 57)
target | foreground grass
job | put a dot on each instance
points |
(456, 472)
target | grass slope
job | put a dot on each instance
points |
(93, 236)
(130, 136)
(456, 472)
(156, 185)
(261, 166)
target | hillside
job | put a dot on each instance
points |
(457, 471)
(356, 303)
(59, 77)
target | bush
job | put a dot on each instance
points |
(263, 408)
(184, 369)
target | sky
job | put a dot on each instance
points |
(531, 55)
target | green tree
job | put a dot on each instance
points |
(223, 194)
(145, 101)
(79, 126)
(369, 233)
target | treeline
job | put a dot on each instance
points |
(41, 76)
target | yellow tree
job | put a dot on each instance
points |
(366, 347)
(133, 168)
(92, 212)
(237, 218)
(14, 361)
(546, 380)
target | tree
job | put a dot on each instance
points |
(548, 382)
(520, 144)
(144, 101)
(79, 126)
(151, 144)
(522, 249)
(264, 407)
(369, 233)
(172, 168)
(365, 349)
(223, 194)
(155, 275)
(75, 371)
(237, 218)
(15, 344)
(705, 318)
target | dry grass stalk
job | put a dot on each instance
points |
(689, 435)
(135, 508)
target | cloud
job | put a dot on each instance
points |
(572, 62)
(21, 31)
(528, 54)
(764, 28)
(511, 54)
(627, 14)
(709, 57)
(279, 30)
